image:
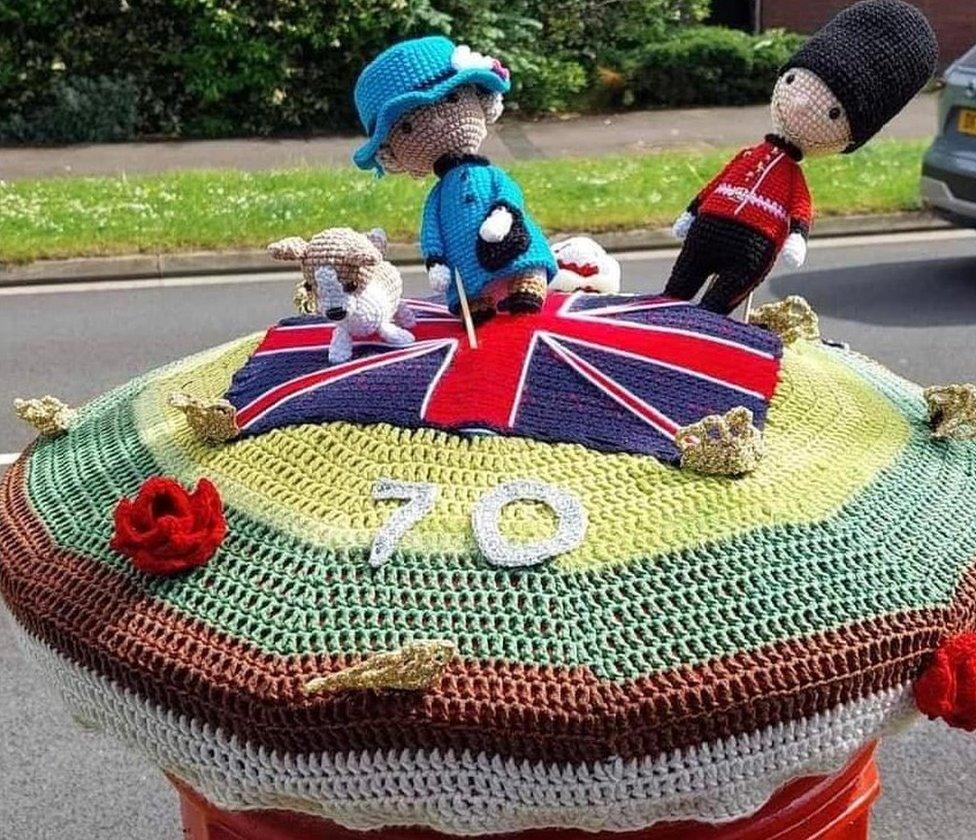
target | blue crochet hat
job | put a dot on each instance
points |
(415, 73)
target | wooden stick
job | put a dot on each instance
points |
(745, 315)
(466, 311)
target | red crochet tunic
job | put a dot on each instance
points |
(762, 187)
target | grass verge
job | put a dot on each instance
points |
(214, 210)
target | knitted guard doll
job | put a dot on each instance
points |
(426, 105)
(833, 96)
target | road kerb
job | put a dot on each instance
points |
(158, 266)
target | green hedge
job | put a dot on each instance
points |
(706, 66)
(80, 110)
(109, 69)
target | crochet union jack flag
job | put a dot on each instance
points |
(613, 373)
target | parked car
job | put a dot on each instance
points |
(949, 169)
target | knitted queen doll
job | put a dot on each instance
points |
(833, 96)
(426, 105)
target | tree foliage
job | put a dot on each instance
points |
(108, 69)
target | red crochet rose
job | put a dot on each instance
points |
(167, 530)
(947, 687)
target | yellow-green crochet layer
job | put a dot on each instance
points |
(828, 433)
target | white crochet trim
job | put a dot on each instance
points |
(474, 794)
(741, 194)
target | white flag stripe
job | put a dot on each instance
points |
(448, 358)
(304, 348)
(647, 360)
(624, 397)
(595, 316)
(421, 348)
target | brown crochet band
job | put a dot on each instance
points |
(99, 619)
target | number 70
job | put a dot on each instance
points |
(420, 498)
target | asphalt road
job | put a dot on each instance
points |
(909, 301)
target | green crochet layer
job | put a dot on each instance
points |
(892, 531)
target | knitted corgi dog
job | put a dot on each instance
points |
(833, 96)
(347, 279)
(426, 105)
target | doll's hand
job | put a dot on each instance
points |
(681, 226)
(794, 250)
(439, 276)
(496, 227)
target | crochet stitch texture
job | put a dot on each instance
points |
(454, 211)
(874, 56)
(635, 368)
(410, 75)
(705, 629)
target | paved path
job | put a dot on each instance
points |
(629, 132)
(910, 301)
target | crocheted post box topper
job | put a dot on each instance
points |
(496, 633)
(426, 105)
(832, 96)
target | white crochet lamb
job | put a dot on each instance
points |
(346, 279)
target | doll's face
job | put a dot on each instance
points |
(458, 125)
(806, 113)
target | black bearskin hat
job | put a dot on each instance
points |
(874, 56)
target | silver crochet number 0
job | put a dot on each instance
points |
(499, 551)
(420, 498)
(485, 519)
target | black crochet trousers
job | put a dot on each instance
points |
(737, 256)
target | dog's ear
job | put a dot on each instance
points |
(364, 257)
(365, 249)
(289, 248)
(378, 237)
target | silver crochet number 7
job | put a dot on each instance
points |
(485, 519)
(420, 498)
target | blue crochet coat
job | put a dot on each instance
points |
(469, 189)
